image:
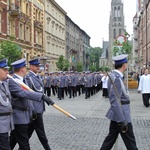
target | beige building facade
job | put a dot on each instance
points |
(55, 33)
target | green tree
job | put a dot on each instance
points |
(92, 68)
(10, 50)
(66, 65)
(79, 66)
(126, 48)
(95, 54)
(62, 63)
(104, 68)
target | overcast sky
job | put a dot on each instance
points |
(92, 16)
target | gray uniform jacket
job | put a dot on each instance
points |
(48, 81)
(6, 121)
(118, 112)
(20, 101)
(36, 84)
(73, 80)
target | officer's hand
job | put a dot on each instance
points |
(124, 126)
(47, 100)
(34, 114)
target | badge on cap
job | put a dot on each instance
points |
(120, 59)
(3, 63)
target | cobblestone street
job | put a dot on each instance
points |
(88, 131)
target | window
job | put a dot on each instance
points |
(20, 5)
(21, 31)
(27, 34)
(119, 31)
(27, 9)
(36, 15)
(115, 12)
(114, 33)
(118, 12)
(39, 37)
(39, 16)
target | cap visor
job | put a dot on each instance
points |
(6, 67)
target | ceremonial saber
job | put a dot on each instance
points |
(25, 87)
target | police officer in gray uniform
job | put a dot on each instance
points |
(21, 105)
(6, 119)
(35, 83)
(119, 112)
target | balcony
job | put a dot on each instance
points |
(14, 10)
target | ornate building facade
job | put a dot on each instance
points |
(40, 30)
(141, 28)
(55, 33)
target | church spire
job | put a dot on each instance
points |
(116, 1)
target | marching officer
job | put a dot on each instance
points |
(6, 119)
(48, 84)
(21, 105)
(119, 112)
(88, 85)
(35, 83)
(54, 83)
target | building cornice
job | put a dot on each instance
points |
(58, 6)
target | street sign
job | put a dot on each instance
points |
(121, 39)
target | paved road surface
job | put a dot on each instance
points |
(90, 128)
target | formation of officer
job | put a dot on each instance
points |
(119, 112)
(28, 106)
(6, 118)
(76, 83)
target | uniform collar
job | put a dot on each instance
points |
(33, 73)
(21, 78)
(120, 73)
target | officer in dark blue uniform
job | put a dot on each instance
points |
(6, 119)
(119, 112)
(35, 83)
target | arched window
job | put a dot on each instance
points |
(115, 12)
(114, 33)
(119, 12)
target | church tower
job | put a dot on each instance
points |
(116, 25)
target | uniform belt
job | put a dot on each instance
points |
(20, 108)
(125, 102)
(5, 114)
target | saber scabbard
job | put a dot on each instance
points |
(63, 111)
(25, 87)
